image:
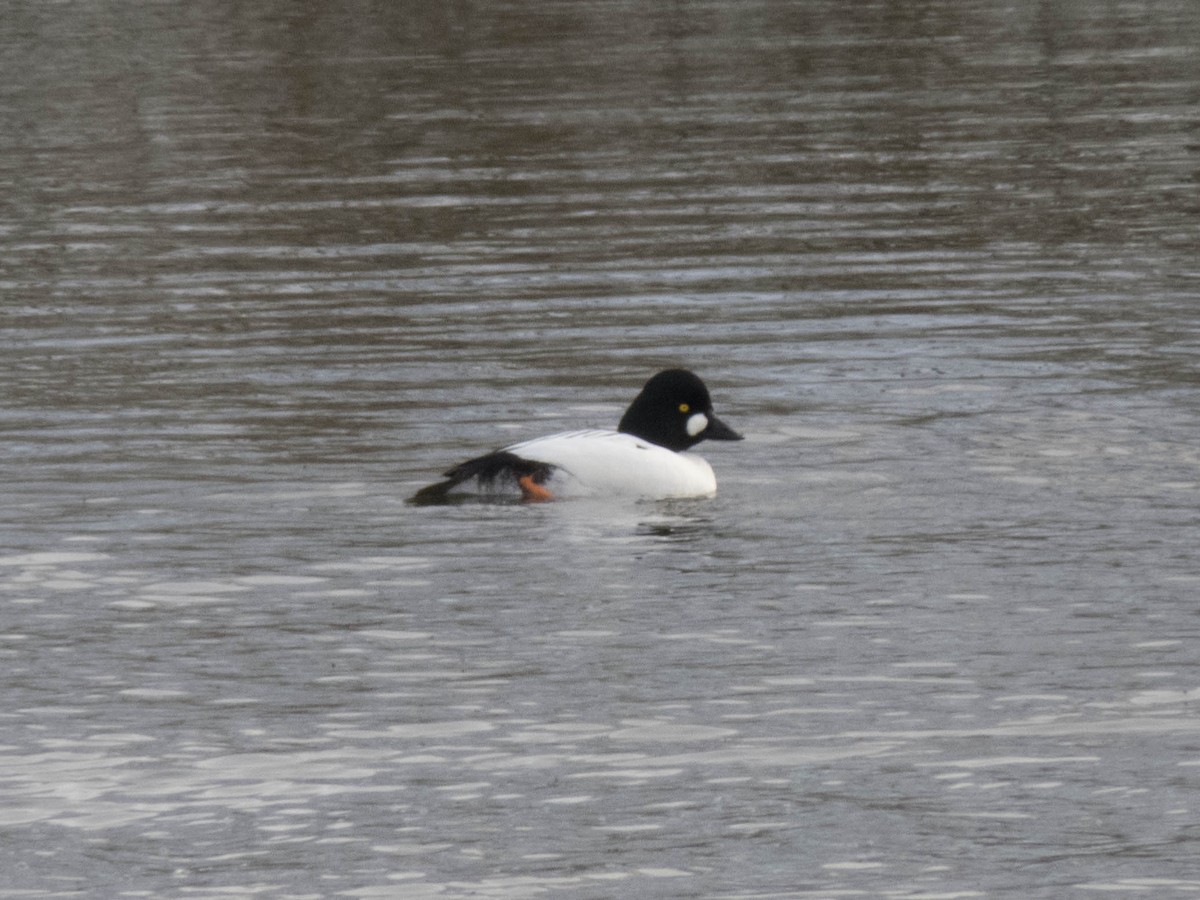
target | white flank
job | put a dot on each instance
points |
(608, 463)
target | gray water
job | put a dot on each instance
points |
(268, 268)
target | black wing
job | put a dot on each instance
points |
(499, 465)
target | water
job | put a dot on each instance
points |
(267, 270)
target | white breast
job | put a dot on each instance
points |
(608, 463)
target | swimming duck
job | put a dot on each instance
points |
(644, 458)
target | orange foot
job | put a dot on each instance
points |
(533, 492)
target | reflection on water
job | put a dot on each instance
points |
(267, 269)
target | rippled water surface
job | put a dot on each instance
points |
(266, 269)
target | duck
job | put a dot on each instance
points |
(644, 458)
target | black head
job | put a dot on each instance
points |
(674, 411)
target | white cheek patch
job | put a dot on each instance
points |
(696, 424)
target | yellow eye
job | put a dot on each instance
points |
(683, 407)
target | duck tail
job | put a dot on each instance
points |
(500, 466)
